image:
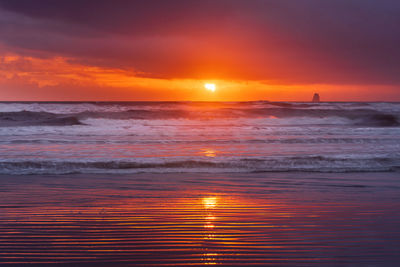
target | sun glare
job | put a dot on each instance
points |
(210, 202)
(210, 87)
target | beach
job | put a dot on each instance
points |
(229, 219)
(199, 183)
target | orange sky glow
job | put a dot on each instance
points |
(167, 50)
(29, 78)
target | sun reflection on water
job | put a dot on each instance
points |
(209, 153)
(210, 258)
(209, 204)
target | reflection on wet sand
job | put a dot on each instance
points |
(181, 219)
(209, 204)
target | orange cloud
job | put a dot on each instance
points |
(61, 78)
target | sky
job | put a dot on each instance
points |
(126, 50)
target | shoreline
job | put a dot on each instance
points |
(286, 219)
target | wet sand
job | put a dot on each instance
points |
(285, 219)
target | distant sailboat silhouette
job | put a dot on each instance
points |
(315, 98)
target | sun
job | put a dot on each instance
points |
(210, 87)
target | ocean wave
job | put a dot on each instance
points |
(282, 164)
(30, 118)
(316, 140)
(357, 117)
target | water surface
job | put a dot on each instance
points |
(134, 137)
(285, 219)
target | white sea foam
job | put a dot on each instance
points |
(201, 137)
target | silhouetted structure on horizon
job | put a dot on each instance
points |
(315, 98)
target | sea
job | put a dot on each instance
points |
(207, 137)
(199, 183)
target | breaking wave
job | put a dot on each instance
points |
(30, 118)
(279, 164)
(358, 117)
(261, 136)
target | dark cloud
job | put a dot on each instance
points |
(304, 41)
